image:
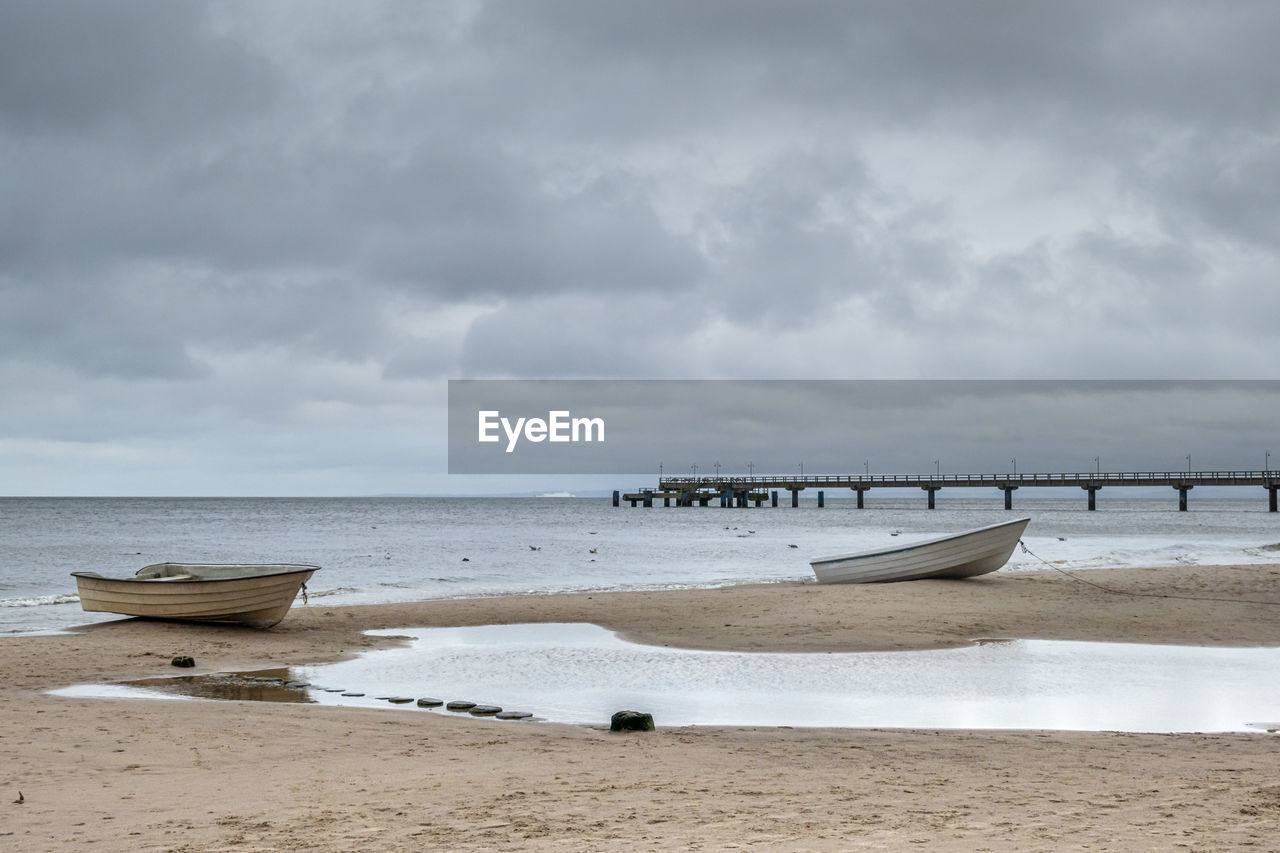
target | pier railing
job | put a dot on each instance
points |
(853, 481)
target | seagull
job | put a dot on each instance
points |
(21, 799)
(793, 546)
(591, 550)
(534, 548)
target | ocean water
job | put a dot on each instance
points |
(374, 550)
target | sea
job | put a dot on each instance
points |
(388, 549)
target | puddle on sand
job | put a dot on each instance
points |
(579, 673)
(266, 685)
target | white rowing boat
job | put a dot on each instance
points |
(248, 594)
(960, 555)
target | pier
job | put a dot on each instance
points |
(744, 491)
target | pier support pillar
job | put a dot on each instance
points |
(1008, 495)
(648, 498)
(724, 500)
(860, 492)
(795, 498)
(1271, 500)
(1093, 496)
(821, 502)
(932, 490)
(774, 497)
(666, 501)
(616, 495)
(1182, 496)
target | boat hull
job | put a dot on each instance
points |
(963, 555)
(258, 596)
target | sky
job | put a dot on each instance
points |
(244, 245)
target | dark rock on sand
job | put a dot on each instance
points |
(631, 721)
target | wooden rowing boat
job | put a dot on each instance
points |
(960, 555)
(259, 595)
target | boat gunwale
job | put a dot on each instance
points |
(294, 569)
(914, 545)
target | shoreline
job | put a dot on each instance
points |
(207, 775)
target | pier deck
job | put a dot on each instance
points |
(738, 491)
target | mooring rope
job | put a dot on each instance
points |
(1115, 591)
(304, 593)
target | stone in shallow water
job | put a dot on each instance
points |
(427, 702)
(399, 700)
(459, 705)
(485, 710)
(183, 661)
(513, 715)
(631, 721)
(353, 693)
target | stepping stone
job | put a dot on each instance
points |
(353, 694)
(297, 685)
(485, 710)
(513, 715)
(430, 703)
(459, 705)
(399, 700)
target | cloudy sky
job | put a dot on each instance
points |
(244, 245)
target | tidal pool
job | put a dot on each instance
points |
(582, 673)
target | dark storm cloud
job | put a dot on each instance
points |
(293, 216)
(138, 68)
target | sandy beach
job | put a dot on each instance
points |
(198, 776)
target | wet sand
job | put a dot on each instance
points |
(197, 776)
